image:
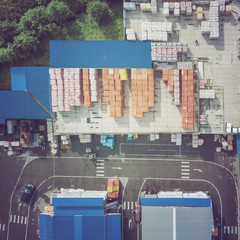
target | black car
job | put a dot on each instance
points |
(27, 193)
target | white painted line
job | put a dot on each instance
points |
(135, 204)
(185, 173)
(100, 164)
(100, 160)
(231, 229)
(185, 177)
(128, 205)
(224, 229)
(25, 222)
(185, 170)
(236, 229)
(14, 219)
(100, 175)
(10, 218)
(132, 205)
(21, 219)
(185, 166)
(100, 171)
(174, 224)
(18, 219)
(124, 205)
(185, 162)
(118, 168)
(100, 167)
(3, 227)
(228, 229)
(0, 227)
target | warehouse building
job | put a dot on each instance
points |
(177, 215)
(79, 215)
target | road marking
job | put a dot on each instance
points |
(21, 219)
(14, 219)
(3, 227)
(0, 227)
(100, 164)
(100, 171)
(185, 162)
(135, 204)
(228, 229)
(18, 219)
(185, 173)
(197, 169)
(100, 167)
(118, 168)
(100, 160)
(184, 177)
(10, 218)
(128, 205)
(185, 170)
(185, 166)
(100, 175)
(25, 222)
(231, 229)
(224, 229)
(131, 205)
(124, 205)
(236, 229)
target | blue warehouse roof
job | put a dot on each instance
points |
(100, 54)
(30, 95)
(176, 202)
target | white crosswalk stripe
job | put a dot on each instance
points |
(21, 219)
(135, 204)
(228, 229)
(224, 229)
(18, 219)
(100, 165)
(128, 205)
(236, 229)
(231, 229)
(0, 227)
(124, 205)
(10, 218)
(185, 162)
(100, 160)
(25, 222)
(185, 166)
(14, 218)
(131, 205)
(3, 227)
(185, 177)
(100, 175)
(185, 171)
(100, 171)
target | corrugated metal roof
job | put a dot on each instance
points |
(2, 121)
(63, 228)
(186, 223)
(179, 202)
(45, 226)
(100, 54)
(35, 80)
(78, 206)
(114, 227)
(20, 105)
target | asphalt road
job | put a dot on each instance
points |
(137, 169)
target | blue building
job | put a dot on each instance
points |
(79, 219)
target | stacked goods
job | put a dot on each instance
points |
(156, 31)
(206, 93)
(123, 74)
(94, 84)
(187, 99)
(176, 12)
(142, 89)
(238, 47)
(201, 75)
(221, 6)
(214, 20)
(202, 2)
(145, 7)
(113, 91)
(199, 13)
(129, 6)
(188, 8)
(66, 88)
(239, 95)
(205, 27)
(130, 34)
(154, 6)
(183, 7)
(176, 87)
(167, 52)
(171, 6)
(107, 141)
(86, 88)
(85, 138)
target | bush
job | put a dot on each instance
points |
(7, 32)
(99, 12)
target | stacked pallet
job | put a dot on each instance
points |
(142, 89)
(176, 87)
(113, 91)
(168, 76)
(187, 99)
(94, 84)
(66, 88)
(86, 88)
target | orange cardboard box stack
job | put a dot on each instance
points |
(187, 98)
(142, 89)
(86, 88)
(113, 91)
(168, 76)
(165, 75)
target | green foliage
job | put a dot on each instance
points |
(77, 6)
(7, 32)
(58, 12)
(99, 12)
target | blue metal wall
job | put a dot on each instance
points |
(45, 226)
(114, 227)
(176, 202)
(238, 146)
(100, 54)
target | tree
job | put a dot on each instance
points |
(58, 12)
(7, 32)
(99, 11)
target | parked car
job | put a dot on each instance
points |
(27, 193)
(137, 214)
